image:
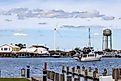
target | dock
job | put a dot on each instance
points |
(75, 73)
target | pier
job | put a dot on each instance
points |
(75, 73)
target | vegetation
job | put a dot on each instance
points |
(21, 45)
(13, 79)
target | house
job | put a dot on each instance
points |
(38, 49)
(9, 48)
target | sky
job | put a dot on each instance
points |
(33, 22)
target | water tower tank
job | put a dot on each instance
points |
(107, 32)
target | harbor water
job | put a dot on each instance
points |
(11, 67)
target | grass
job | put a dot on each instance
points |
(13, 79)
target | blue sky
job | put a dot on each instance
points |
(17, 26)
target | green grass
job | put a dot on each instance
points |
(13, 79)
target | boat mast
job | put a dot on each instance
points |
(89, 39)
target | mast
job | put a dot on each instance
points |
(89, 39)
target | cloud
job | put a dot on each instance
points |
(23, 13)
(81, 26)
(20, 34)
(108, 17)
(42, 23)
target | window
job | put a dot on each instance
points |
(5, 49)
(1, 48)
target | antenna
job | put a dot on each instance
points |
(55, 38)
(89, 39)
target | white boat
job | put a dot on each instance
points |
(88, 54)
(90, 57)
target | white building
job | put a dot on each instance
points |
(36, 49)
(9, 48)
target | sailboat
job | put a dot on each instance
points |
(88, 54)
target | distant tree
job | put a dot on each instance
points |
(21, 45)
(77, 50)
(72, 52)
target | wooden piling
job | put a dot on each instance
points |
(62, 77)
(83, 68)
(105, 72)
(69, 78)
(76, 79)
(28, 72)
(73, 71)
(78, 70)
(63, 69)
(48, 74)
(94, 74)
(115, 74)
(56, 77)
(67, 70)
(23, 72)
(86, 73)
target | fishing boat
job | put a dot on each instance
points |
(90, 57)
(88, 54)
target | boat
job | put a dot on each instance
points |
(90, 57)
(55, 56)
(88, 53)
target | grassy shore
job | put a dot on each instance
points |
(13, 79)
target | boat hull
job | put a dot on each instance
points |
(91, 59)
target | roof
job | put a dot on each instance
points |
(13, 46)
(39, 46)
(28, 50)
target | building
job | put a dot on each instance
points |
(37, 49)
(6, 48)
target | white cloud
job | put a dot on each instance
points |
(20, 34)
(108, 17)
(23, 13)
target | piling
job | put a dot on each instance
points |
(67, 70)
(48, 74)
(52, 75)
(23, 72)
(63, 69)
(69, 78)
(94, 74)
(28, 71)
(115, 74)
(90, 69)
(73, 71)
(83, 68)
(105, 72)
(0, 73)
(76, 79)
(96, 70)
(45, 72)
(62, 77)
(78, 70)
(56, 77)
(86, 73)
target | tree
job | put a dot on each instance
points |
(21, 45)
(77, 50)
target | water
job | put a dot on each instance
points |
(10, 67)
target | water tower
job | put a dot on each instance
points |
(107, 39)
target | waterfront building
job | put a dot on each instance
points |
(38, 49)
(9, 48)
